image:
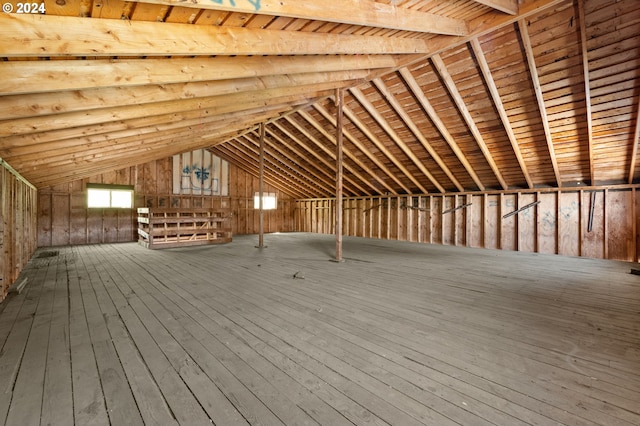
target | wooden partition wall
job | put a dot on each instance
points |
(64, 219)
(597, 222)
(17, 225)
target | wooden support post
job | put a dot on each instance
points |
(339, 102)
(261, 190)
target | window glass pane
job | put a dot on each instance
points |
(269, 201)
(121, 199)
(99, 198)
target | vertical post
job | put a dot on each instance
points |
(339, 101)
(261, 190)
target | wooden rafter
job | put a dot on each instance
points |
(349, 184)
(236, 102)
(344, 150)
(285, 168)
(466, 114)
(373, 112)
(299, 143)
(23, 77)
(378, 144)
(24, 35)
(506, 6)
(535, 80)
(384, 169)
(319, 173)
(497, 101)
(636, 142)
(13, 107)
(249, 150)
(232, 157)
(435, 118)
(587, 89)
(362, 12)
(331, 153)
(415, 130)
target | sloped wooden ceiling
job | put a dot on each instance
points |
(440, 96)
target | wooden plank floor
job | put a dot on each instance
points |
(400, 333)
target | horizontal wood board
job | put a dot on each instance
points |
(400, 333)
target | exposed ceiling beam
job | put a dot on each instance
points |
(389, 97)
(497, 101)
(506, 6)
(273, 161)
(231, 156)
(435, 118)
(384, 124)
(27, 35)
(300, 158)
(466, 115)
(291, 163)
(332, 119)
(486, 24)
(636, 142)
(213, 105)
(587, 89)
(378, 144)
(331, 138)
(535, 81)
(332, 155)
(48, 103)
(20, 77)
(366, 13)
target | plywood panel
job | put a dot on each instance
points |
(620, 225)
(492, 220)
(509, 227)
(60, 224)
(476, 211)
(78, 214)
(437, 208)
(568, 224)
(593, 240)
(527, 223)
(547, 224)
(44, 220)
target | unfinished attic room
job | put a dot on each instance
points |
(374, 212)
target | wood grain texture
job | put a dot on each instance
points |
(398, 334)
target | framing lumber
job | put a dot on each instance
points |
(364, 150)
(497, 101)
(535, 80)
(346, 152)
(506, 6)
(324, 149)
(30, 76)
(433, 115)
(261, 189)
(366, 13)
(636, 142)
(368, 106)
(464, 111)
(389, 97)
(27, 35)
(339, 100)
(587, 89)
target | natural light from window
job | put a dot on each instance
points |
(109, 198)
(269, 201)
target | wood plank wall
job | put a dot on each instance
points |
(18, 218)
(64, 219)
(557, 224)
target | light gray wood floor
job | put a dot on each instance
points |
(400, 333)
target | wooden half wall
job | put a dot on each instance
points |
(600, 222)
(17, 225)
(64, 219)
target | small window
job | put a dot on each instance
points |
(269, 201)
(109, 196)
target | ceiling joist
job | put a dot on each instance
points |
(21, 35)
(366, 13)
